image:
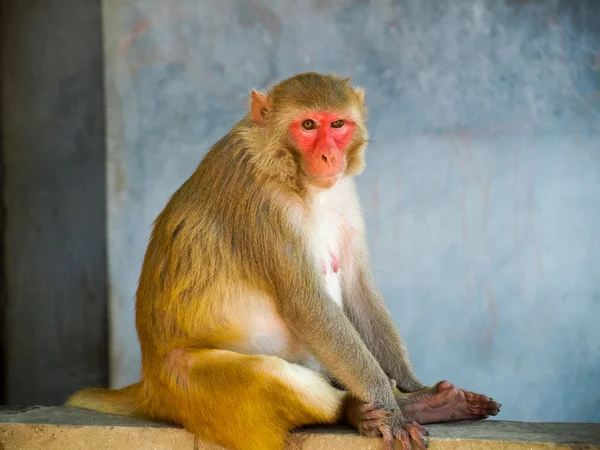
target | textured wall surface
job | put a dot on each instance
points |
(482, 191)
(53, 152)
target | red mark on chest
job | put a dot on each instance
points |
(335, 263)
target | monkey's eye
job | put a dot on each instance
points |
(337, 124)
(309, 124)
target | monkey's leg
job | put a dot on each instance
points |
(445, 403)
(244, 402)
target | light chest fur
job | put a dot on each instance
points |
(328, 221)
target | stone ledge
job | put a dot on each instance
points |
(60, 428)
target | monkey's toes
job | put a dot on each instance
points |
(446, 403)
(482, 404)
(443, 385)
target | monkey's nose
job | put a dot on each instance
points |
(328, 158)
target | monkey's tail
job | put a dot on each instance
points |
(123, 401)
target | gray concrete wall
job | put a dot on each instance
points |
(482, 191)
(54, 330)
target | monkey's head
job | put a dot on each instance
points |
(320, 120)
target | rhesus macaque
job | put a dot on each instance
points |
(256, 308)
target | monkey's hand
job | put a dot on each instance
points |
(374, 420)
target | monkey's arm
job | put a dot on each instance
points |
(324, 328)
(316, 320)
(369, 314)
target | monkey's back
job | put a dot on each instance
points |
(202, 246)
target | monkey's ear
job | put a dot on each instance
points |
(259, 107)
(360, 93)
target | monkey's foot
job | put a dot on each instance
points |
(446, 403)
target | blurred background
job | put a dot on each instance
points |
(481, 193)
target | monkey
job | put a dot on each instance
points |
(256, 308)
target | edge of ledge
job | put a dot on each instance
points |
(54, 428)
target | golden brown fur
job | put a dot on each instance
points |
(239, 336)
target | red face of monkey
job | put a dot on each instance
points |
(323, 138)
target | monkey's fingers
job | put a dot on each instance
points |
(374, 414)
(373, 419)
(402, 435)
(417, 435)
(368, 408)
(370, 430)
(389, 443)
(419, 428)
